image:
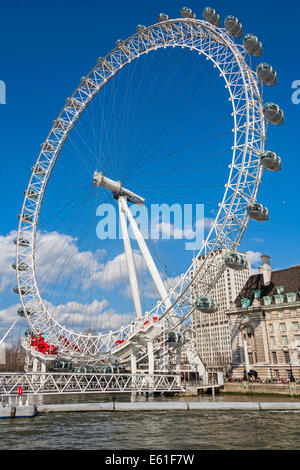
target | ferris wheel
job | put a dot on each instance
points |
(229, 52)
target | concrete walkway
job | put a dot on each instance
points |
(169, 406)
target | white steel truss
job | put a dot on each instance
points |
(45, 383)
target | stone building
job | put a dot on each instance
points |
(265, 324)
(213, 337)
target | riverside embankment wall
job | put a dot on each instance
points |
(264, 389)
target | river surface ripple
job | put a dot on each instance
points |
(159, 430)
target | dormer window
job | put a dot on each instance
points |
(279, 299)
(245, 303)
(267, 300)
(257, 293)
(291, 297)
(279, 289)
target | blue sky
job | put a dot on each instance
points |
(48, 47)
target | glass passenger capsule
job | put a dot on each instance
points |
(47, 147)
(85, 369)
(162, 17)
(233, 26)
(31, 194)
(38, 170)
(28, 310)
(206, 305)
(59, 364)
(107, 369)
(186, 12)
(105, 64)
(257, 211)
(211, 16)
(22, 242)
(252, 45)
(122, 45)
(60, 124)
(270, 160)
(266, 74)
(23, 290)
(140, 27)
(174, 337)
(235, 261)
(87, 82)
(73, 103)
(26, 218)
(21, 266)
(273, 113)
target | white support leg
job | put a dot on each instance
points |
(246, 357)
(148, 258)
(133, 373)
(150, 363)
(129, 258)
(178, 359)
(43, 370)
(35, 365)
(150, 357)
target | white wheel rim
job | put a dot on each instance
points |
(242, 186)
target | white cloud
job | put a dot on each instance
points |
(115, 271)
(148, 288)
(258, 240)
(7, 257)
(93, 315)
(57, 256)
(73, 314)
(254, 257)
(9, 315)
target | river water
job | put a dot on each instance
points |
(159, 430)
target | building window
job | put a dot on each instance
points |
(282, 327)
(281, 314)
(287, 356)
(291, 297)
(280, 290)
(279, 299)
(284, 340)
(277, 373)
(269, 316)
(289, 374)
(267, 300)
(293, 313)
(297, 340)
(256, 294)
(271, 328)
(274, 354)
(250, 357)
(295, 325)
(272, 340)
(245, 303)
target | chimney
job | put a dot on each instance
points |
(265, 269)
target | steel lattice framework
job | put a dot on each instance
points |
(231, 61)
(69, 382)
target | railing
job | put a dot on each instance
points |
(67, 383)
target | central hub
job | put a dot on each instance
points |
(116, 188)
